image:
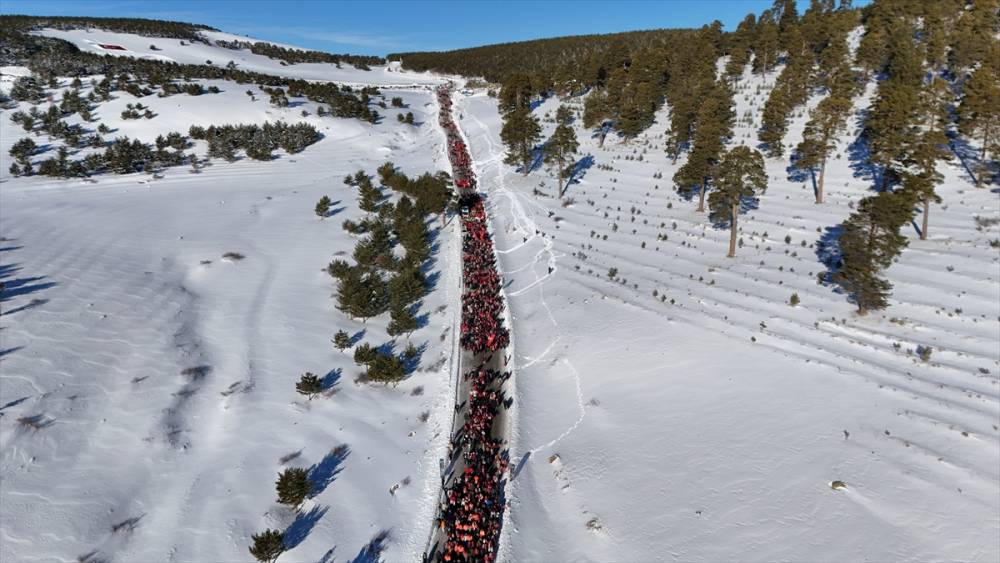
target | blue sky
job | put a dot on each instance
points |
(380, 27)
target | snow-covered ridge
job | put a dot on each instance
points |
(187, 52)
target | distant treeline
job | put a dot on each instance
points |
(292, 56)
(135, 26)
(15, 40)
(579, 57)
(48, 57)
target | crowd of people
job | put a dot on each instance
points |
(471, 514)
(458, 154)
(483, 329)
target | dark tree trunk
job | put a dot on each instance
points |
(701, 196)
(732, 231)
(819, 185)
(927, 213)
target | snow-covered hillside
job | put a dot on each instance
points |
(148, 381)
(685, 411)
(669, 403)
(187, 52)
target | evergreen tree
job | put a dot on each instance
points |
(788, 17)
(22, 150)
(341, 340)
(401, 320)
(515, 93)
(790, 90)
(407, 287)
(740, 47)
(362, 295)
(713, 126)
(323, 207)
(826, 123)
(364, 354)
(293, 486)
(369, 195)
(870, 240)
(927, 144)
(766, 44)
(974, 37)
(979, 112)
(386, 368)
(895, 112)
(267, 546)
(741, 176)
(521, 132)
(309, 385)
(562, 147)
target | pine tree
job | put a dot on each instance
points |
(713, 126)
(788, 17)
(341, 340)
(369, 195)
(740, 47)
(267, 546)
(826, 123)
(521, 132)
(401, 321)
(323, 207)
(766, 44)
(927, 144)
(562, 146)
(870, 240)
(386, 368)
(895, 112)
(741, 176)
(407, 287)
(974, 37)
(979, 112)
(364, 354)
(22, 150)
(309, 385)
(515, 93)
(293, 486)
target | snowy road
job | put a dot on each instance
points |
(468, 361)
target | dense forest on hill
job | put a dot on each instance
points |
(135, 26)
(935, 65)
(16, 43)
(577, 57)
(292, 56)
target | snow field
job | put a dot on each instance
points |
(171, 50)
(117, 292)
(676, 436)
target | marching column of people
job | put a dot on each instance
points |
(471, 513)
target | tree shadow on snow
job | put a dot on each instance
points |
(304, 522)
(859, 153)
(411, 363)
(357, 337)
(372, 552)
(968, 157)
(829, 254)
(331, 379)
(324, 472)
(579, 169)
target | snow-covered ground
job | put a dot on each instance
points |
(170, 49)
(705, 422)
(115, 288)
